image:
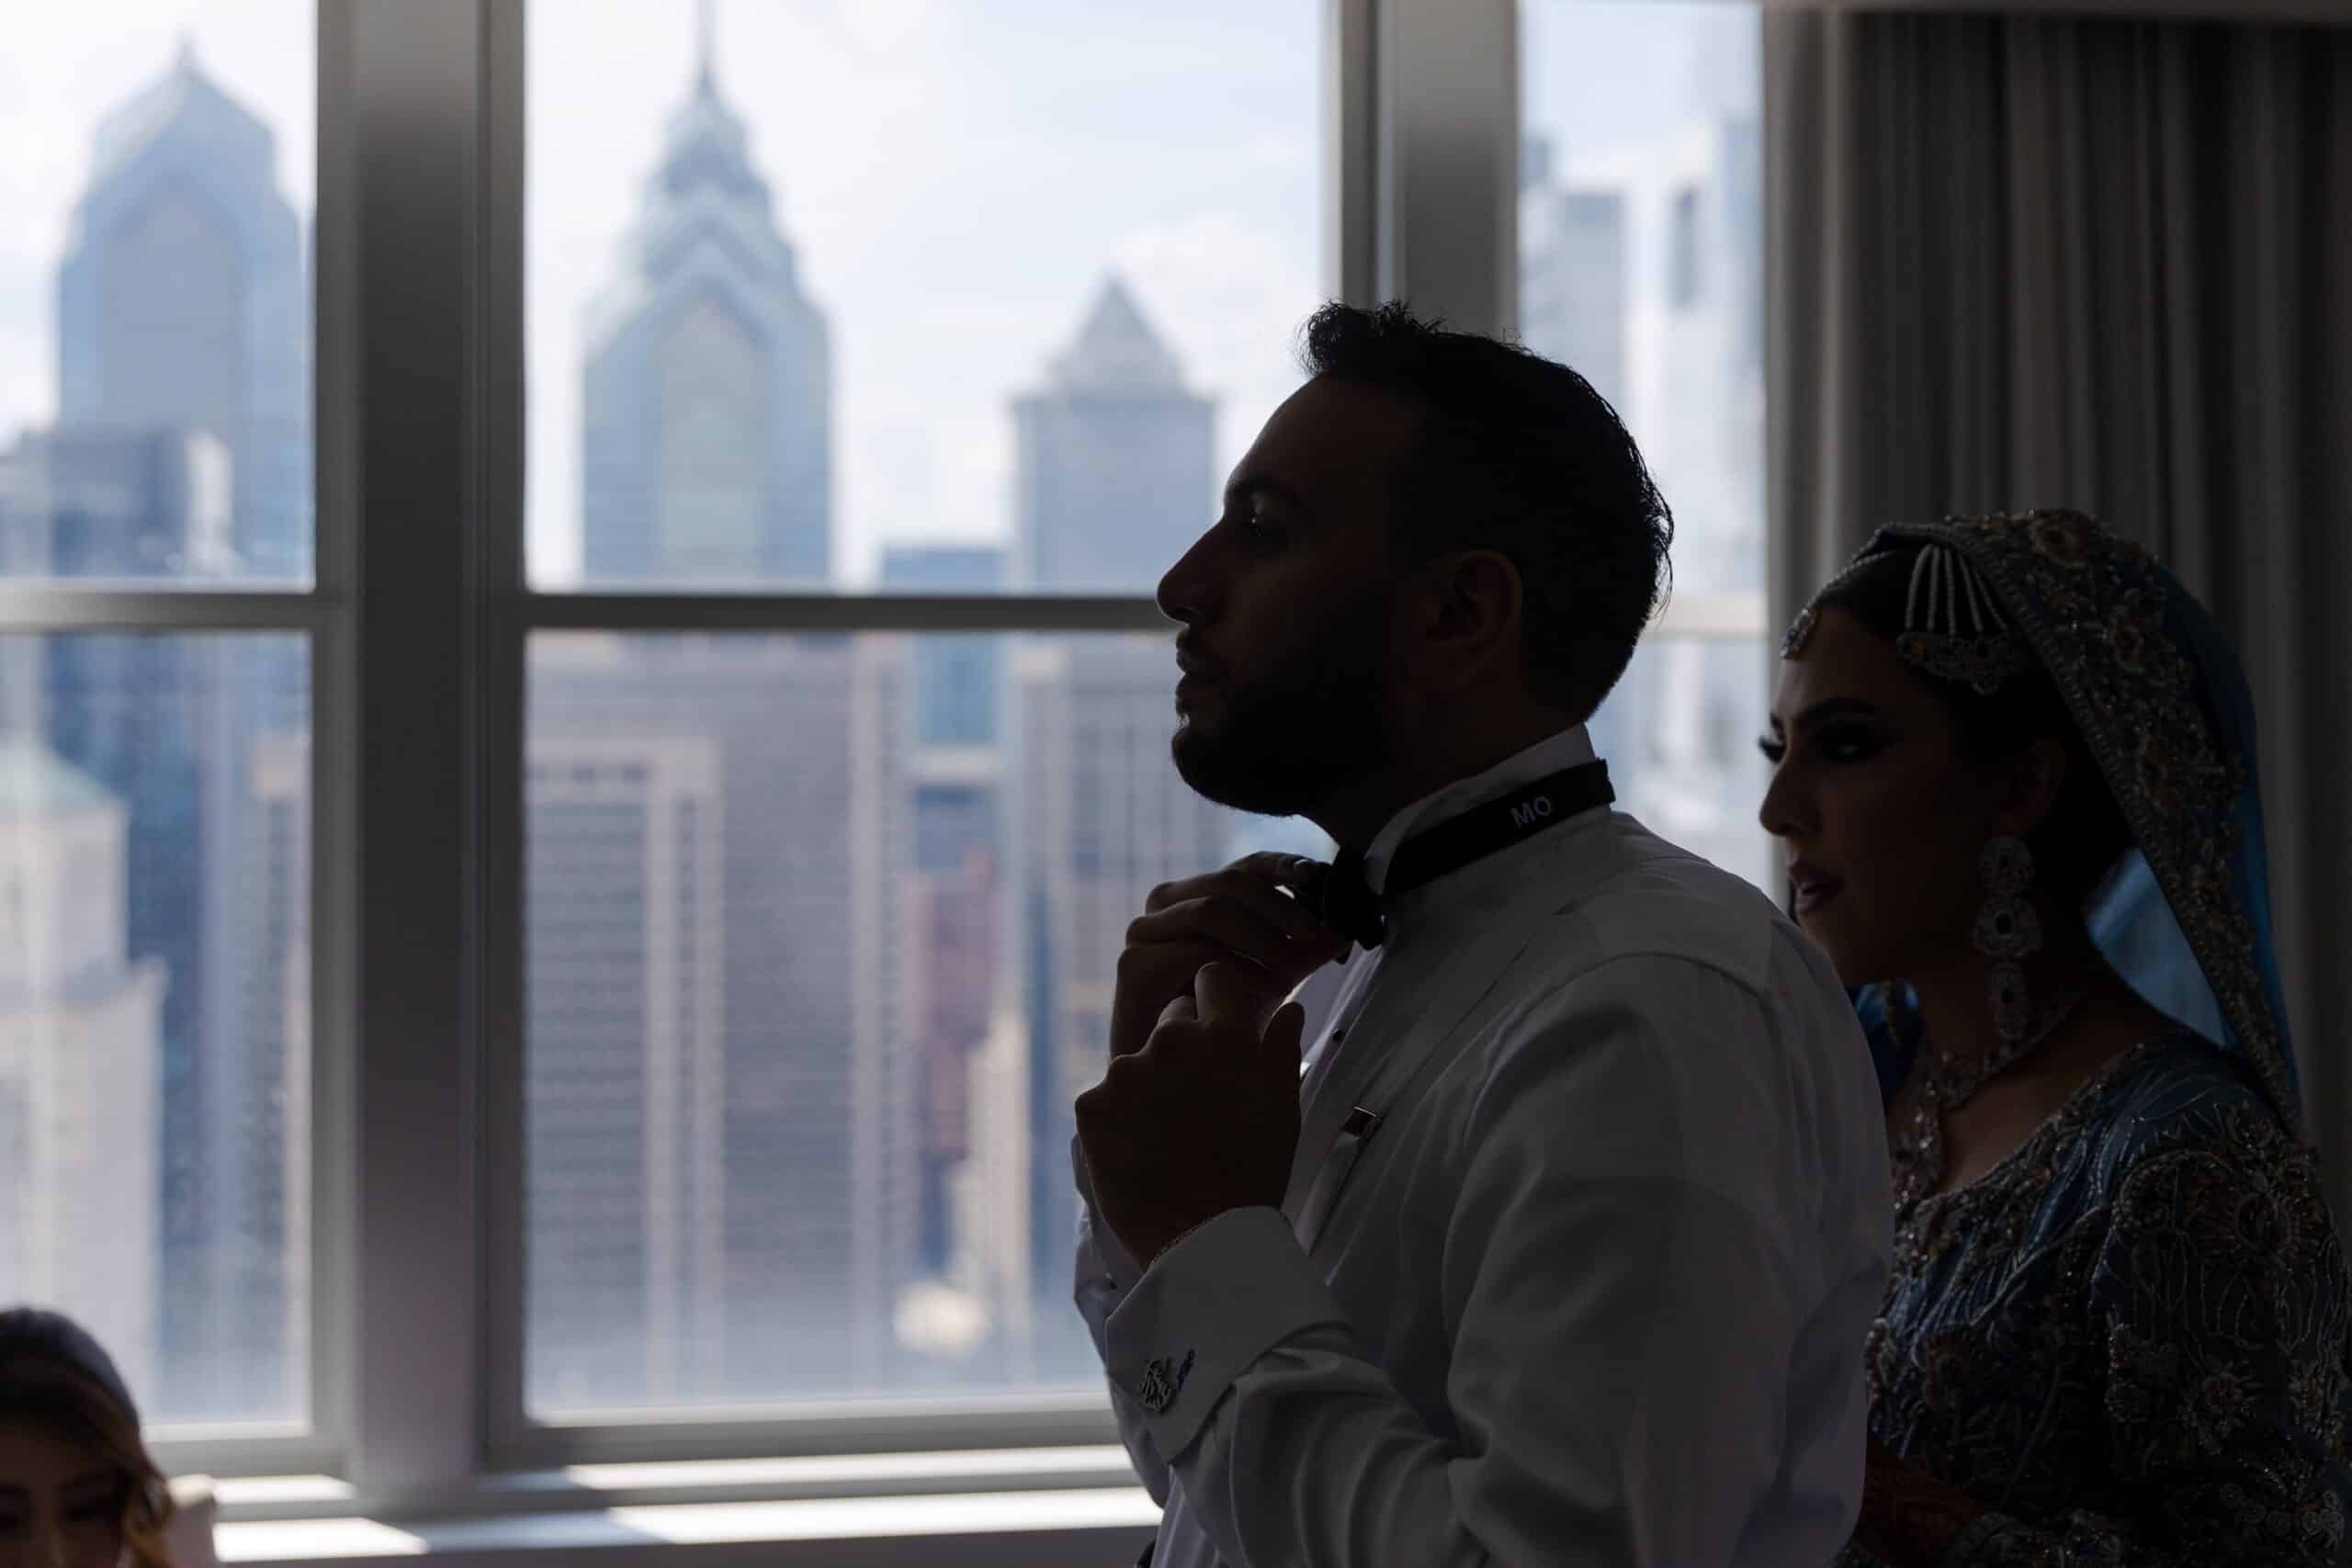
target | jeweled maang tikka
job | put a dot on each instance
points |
(1953, 626)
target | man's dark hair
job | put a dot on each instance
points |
(1521, 456)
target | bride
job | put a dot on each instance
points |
(2014, 779)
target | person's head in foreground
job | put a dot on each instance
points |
(77, 1487)
(1440, 551)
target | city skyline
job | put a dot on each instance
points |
(181, 446)
(723, 1184)
(826, 925)
(967, 114)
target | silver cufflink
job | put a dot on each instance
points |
(1162, 1381)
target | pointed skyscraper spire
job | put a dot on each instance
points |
(1116, 349)
(182, 100)
(706, 45)
(705, 145)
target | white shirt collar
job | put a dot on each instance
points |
(1570, 747)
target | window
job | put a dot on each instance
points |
(1641, 263)
(155, 456)
(815, 924)
(612, 954)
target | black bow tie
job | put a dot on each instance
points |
(1348, 905)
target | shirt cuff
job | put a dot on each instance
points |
(1205, 1310)
(1100, 1253)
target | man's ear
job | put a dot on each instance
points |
(1467, 616)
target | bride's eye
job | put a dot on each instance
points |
(1851, 743)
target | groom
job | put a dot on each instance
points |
(1559, 1244)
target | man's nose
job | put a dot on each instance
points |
(1184, 591)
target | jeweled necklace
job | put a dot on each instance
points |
(1918, 1146)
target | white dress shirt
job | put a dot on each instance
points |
(1588, 1219)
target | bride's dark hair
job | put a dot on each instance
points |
(2085, 834)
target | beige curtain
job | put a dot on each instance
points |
(2022, 260)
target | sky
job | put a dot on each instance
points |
(957, 178)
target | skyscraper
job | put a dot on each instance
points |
(1703, 774)
(1712, 358)
(1117, 476)
(1680, 723)
(722, 1094)
(708, 401)
(1572, 272)
(1575, 297)
(124, 502)
(956, 887)
(627, 1072)
(183, 448)
(80, 1037)
(182, 304)
(82, 502)
(1116, 466)
(957, 676)
(274, 932)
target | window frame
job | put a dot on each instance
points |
(418, 621)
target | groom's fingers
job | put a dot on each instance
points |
(1286, 1036)
(1234, 993)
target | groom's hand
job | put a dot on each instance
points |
(1242, 915)
(1203, 1119)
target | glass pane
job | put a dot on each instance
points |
(157, 163)
(155, 1008)
(1641, 265)
(808, 283)
(821, 938)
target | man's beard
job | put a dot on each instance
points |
(1292, 738)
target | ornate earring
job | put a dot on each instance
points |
(2007, 931)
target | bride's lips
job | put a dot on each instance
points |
(1813, 887)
